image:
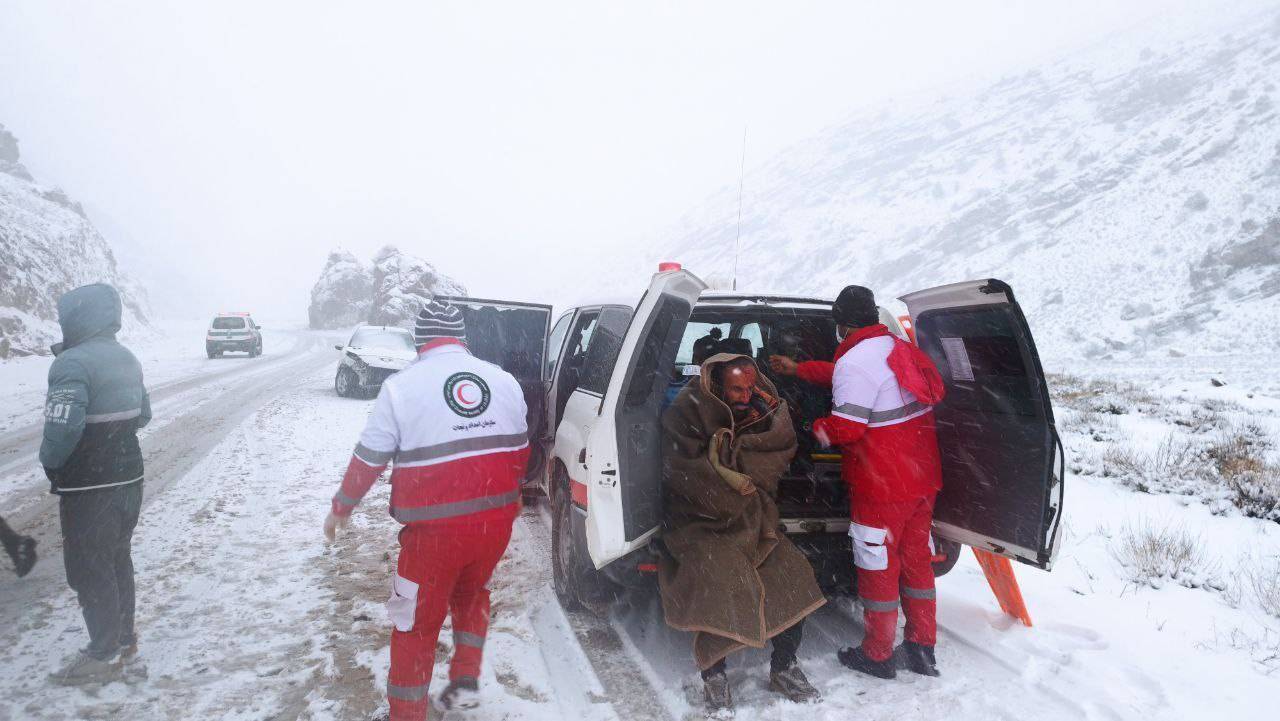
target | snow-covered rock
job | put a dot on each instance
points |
(402, 283)
(387, 293)
(1130, 195)
(341, 295)
(47, 247)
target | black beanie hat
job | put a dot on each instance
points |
(855, 307)
(438, 319)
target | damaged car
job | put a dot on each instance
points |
(373, 353)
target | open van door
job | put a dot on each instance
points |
(513, 336)
(1002, 460)
(624, 451)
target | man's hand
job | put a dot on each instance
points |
(820, 433)
(782, 365)
(334, 523)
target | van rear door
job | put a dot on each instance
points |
(625, 448)
(512, 335)
(1002, 460)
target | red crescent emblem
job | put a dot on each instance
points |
(457, 393)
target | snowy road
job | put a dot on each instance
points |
(244, 612)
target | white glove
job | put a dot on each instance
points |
(334, 523)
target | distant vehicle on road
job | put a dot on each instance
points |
(370, 357)
(233, 332)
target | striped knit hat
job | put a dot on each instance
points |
(438, 319)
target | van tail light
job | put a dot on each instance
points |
(647, 567)
(909, 327)
(667, 266)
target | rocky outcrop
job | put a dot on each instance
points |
(47, 247)
(341, 295)
(389, 292)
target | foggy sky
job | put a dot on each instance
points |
(226, 147)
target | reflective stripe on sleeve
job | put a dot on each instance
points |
(852, 412)
(894, 414)
(117, 416)
(462, 445)
(345, 500)
(922, 594)
(462, 638)
(372, 457)
(883, 606)
(438, 511)
(406, 693)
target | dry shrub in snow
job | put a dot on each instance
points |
(1240, 461)
(1087, 421)
(1174, 460)
(1266, 588)
(1151, 555)
(1096, 395)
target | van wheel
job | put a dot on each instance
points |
(563, 555)
(950, 551)
(345, 382)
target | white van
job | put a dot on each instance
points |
(598, 380)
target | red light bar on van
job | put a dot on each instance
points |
(668, 265)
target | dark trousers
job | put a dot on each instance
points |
(97, 531)
(785, 647)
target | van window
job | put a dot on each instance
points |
(698, 339)
(554, 341)
(753, 333)
(228, 323)
(602, 353)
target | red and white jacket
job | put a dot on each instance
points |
(455, 428)
(884, 431)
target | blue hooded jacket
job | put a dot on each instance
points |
(96, 401)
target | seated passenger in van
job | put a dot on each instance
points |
(731, 577)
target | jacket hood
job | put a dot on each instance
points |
(87, 312)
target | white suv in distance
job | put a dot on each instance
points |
(370, 357)
(233, 332)
(607, 372)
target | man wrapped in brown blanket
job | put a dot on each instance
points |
(732, 577)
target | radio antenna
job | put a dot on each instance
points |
(737, 238)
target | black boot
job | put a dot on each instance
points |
(853, 658)
(22, 549)
(919, 658)
(464, 693)
(717, 693)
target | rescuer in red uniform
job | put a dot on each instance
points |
(455, 428)
(883, 393)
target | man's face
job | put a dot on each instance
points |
(738, 384)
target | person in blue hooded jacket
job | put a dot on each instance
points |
(90, 453)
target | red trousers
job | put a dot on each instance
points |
(892, 548)
(438, 573)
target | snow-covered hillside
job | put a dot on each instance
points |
(1130, 194)
(47, 247)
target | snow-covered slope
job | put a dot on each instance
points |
(1130, 194)
(47, 247)
(388, 292)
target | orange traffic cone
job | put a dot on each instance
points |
(999, 573)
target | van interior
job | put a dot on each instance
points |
(812, 487)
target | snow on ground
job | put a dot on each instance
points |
(175, 355)
(229, 590)
(1110, 641)
(245, 613)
